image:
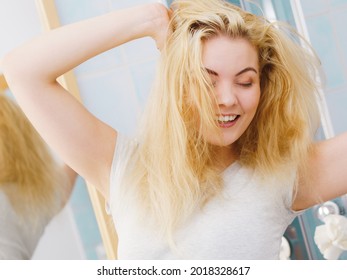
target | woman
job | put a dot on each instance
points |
(225, 157)
(33, 186)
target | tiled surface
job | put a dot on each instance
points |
(326, 21)
(140, 50)
(103, 62)
(75, 10)
(314, 6)
(86, 221)
(143, 73)
(337, 103)
(339, 25)
(321, 33)
(111, 97)
(338, 3)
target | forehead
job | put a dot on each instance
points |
(230, 55)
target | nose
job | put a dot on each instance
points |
(226, 96)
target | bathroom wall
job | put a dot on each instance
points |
(326, 21)
(18, 22)
(115, 84)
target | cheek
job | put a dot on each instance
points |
(250, 102)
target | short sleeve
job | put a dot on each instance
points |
(124, 148)
(289, 196)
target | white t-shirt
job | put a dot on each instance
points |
(18, 240)
(247, 221)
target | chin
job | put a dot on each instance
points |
(224, 142)
(226, 139)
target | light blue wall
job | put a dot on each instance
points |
(114, 84)
(327, 21)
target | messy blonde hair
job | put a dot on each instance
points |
(174, 166)
(28, 172)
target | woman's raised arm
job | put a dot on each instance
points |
(83, 142)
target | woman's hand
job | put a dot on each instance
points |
(160, 24)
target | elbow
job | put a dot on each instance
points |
(19, 74)
(6, 65)
(11, 69)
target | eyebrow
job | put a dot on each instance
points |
(238, 74)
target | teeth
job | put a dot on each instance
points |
(226, 118)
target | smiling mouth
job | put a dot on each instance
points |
(225, 120)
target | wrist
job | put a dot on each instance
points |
(155, 19)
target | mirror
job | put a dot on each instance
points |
(50, 19)
(67, 231)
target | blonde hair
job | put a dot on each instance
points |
(28, 172)
(174, 167)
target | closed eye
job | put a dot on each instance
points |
(245, 84)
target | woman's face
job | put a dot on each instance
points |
(233, 67)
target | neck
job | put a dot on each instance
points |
(226, 156)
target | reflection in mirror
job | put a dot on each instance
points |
(54, 14)
(34, 186)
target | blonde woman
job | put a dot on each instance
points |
(33, 187)
(225, 158)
